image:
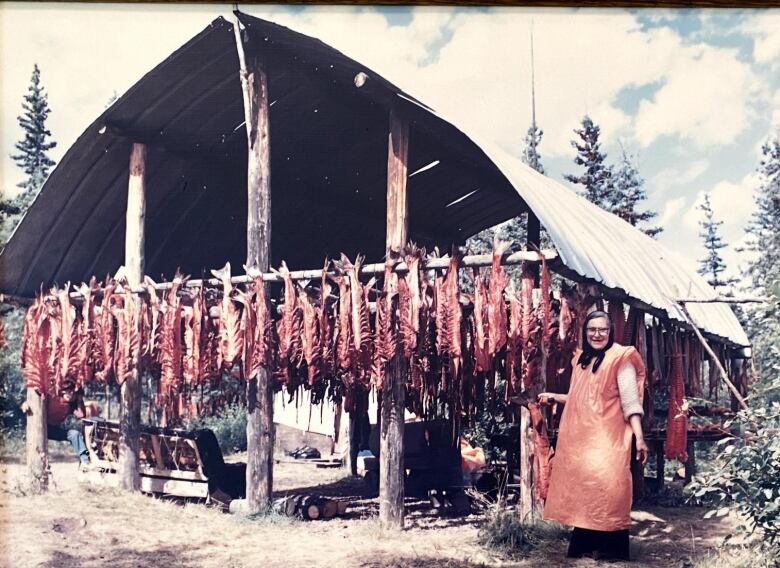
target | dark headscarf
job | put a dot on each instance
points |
(588, 352)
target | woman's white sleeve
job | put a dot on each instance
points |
(629, 392)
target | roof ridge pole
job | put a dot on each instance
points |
(130, 409)
(391, 438)
(260, 423)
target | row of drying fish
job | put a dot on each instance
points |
(338, 332)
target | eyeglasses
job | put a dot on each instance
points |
(597, 330)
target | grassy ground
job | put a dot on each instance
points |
(77, 525)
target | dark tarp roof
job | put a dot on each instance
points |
(328, 168)
(328, 181)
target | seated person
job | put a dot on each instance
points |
(63, 415)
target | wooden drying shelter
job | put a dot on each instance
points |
(255, 144)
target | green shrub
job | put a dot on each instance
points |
(229, 426)
(745, 475)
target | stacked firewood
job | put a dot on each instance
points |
(336, 336)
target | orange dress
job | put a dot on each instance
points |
(590, 483)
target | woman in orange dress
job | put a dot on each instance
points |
(590, 483)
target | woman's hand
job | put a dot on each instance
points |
(642, 451)
(551, 398)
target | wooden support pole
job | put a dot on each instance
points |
(130, 408)
(260, 401)
(37, 442)
(660, 465)
(530, 508)
(391, 441)
(533, 241)
(713, 357)
(529, 511)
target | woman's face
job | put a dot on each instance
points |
(597, 333)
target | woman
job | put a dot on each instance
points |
(590, 483)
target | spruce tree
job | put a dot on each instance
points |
(596, 180)
(32, 156)
(712, 265)
(629, 191)
(763, 320)
(33, 148)
(531, 153)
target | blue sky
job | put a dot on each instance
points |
(692, 94)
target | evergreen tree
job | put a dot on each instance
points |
(531, 153)
(629, 191)
(596, 180)
(763, 321)
(33, 148)
(32, 156)
(712, 265)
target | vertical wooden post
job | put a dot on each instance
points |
(660, 465)
(530, 508)
(130, 408)
(526, 467)
(690, 463)
(37, 442)
(260, 403)
(391, 443)
(533, 239)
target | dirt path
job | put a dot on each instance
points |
(76, 525)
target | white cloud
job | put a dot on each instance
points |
(676, 176)
(671, 210)
(705, 99)
(764, 27)
(732, 202)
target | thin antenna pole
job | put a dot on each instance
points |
(533, 82)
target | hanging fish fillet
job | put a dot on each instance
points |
(344, 327)
(514, 350)
(483, 356)
(248, 331)
(548, 323)
(385, 340)
(192, 318)
(410, 300)
(171, 343)
(454, 315)
(360, 348)
(104, 329)
(231, 340)
(677, 419)
(528, 316)
(290, 329)
(150, 344)
(37, 347)
(128, 339)
(262, 354)
(69, 362)
(87, 332)
(210, 360)
(311, 348)
(497, 319)
(325, 316)
(543, 452)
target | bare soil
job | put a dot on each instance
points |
(80, 525)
